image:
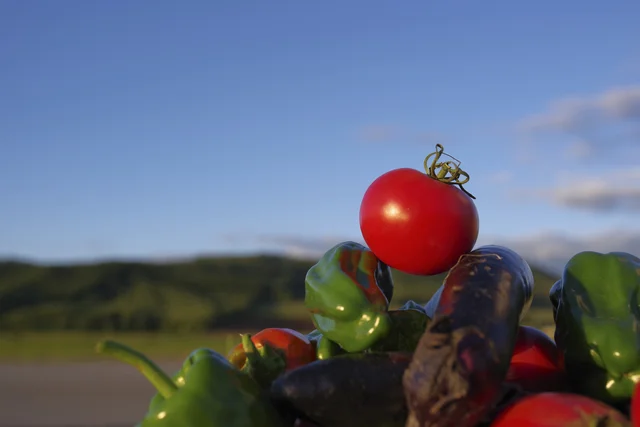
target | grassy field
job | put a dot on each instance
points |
(77, 346)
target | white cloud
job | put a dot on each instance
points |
(595, 125)
(300, 246)
(600, 197)
(617, 191)
(584, 112)
(549, 249)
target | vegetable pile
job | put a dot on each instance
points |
(460, 360)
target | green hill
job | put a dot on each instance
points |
(199, 294)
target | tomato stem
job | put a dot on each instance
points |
(439, 171)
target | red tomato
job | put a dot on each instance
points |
(535, 364)
(559, 410)
(417, 224)
(292, 344)
(635, 406)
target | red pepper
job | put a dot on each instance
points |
(559, 410)
(635, 406)
(535, 364)
(294, 347)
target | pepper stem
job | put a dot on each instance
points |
(156, 376)
(439, 171)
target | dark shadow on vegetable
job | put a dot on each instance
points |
(351, 390)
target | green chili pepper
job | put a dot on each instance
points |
(178, 378)
(213, 392)
(408, 323)
(348, 293)
(597, 314)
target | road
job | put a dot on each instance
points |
(103, 394)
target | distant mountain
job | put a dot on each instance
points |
(194, 294)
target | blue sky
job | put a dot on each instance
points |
(167, 129)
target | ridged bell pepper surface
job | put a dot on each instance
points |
(348, 293)
(597, 314)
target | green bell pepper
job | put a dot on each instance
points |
(207, 391)
(597, 314)
(348, 293)
(263, 365)
(408, 323)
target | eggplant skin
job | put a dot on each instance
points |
(494, 260)
(463, 357)
(351, 390)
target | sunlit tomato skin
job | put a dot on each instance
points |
(559, 410)
(296, 347)
(417, 224)
(535, 364)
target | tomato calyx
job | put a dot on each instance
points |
(440, 170)
(261, 362)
